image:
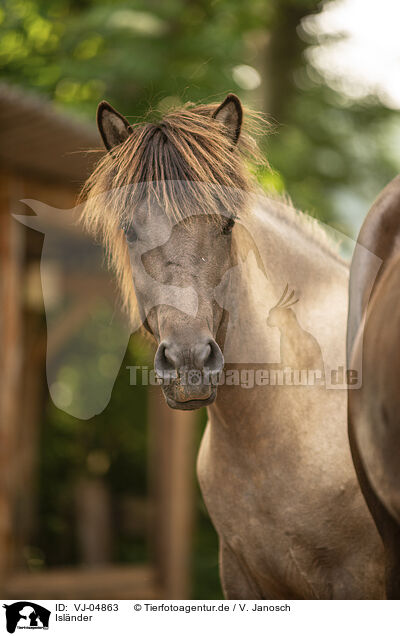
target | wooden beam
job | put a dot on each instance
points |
(11, 234)
(51, 193)
(111, 582)
(31, 413)
(173, 461)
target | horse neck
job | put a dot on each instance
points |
(292, 256)
(275, 250)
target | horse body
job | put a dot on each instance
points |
(275, 467)
(374, 425)
(373, 345)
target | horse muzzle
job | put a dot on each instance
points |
(189, 375)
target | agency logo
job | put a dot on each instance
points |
(26, 615)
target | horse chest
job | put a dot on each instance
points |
(269, 516)
(258, 528)
(251, 498)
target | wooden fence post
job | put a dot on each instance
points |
(10, 370)
(173, 457)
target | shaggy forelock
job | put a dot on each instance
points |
(185, 162)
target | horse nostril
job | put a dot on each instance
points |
(170, 358)
(165, 363)
(200, 354)
(213, 360)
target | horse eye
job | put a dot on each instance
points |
(227, 229)
(130, 233)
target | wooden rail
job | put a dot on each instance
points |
(111, 582)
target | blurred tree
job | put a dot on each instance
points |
(332, 154)
(284, 55)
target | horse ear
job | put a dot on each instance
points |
(230, 114)
(114, 128)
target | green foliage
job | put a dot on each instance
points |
(335, 155)
(135, 53)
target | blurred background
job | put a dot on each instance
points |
(108, 507)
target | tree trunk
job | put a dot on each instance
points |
(283, 55)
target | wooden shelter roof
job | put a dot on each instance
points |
(37, 139)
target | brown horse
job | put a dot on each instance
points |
(374, 345)
(173, 201)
